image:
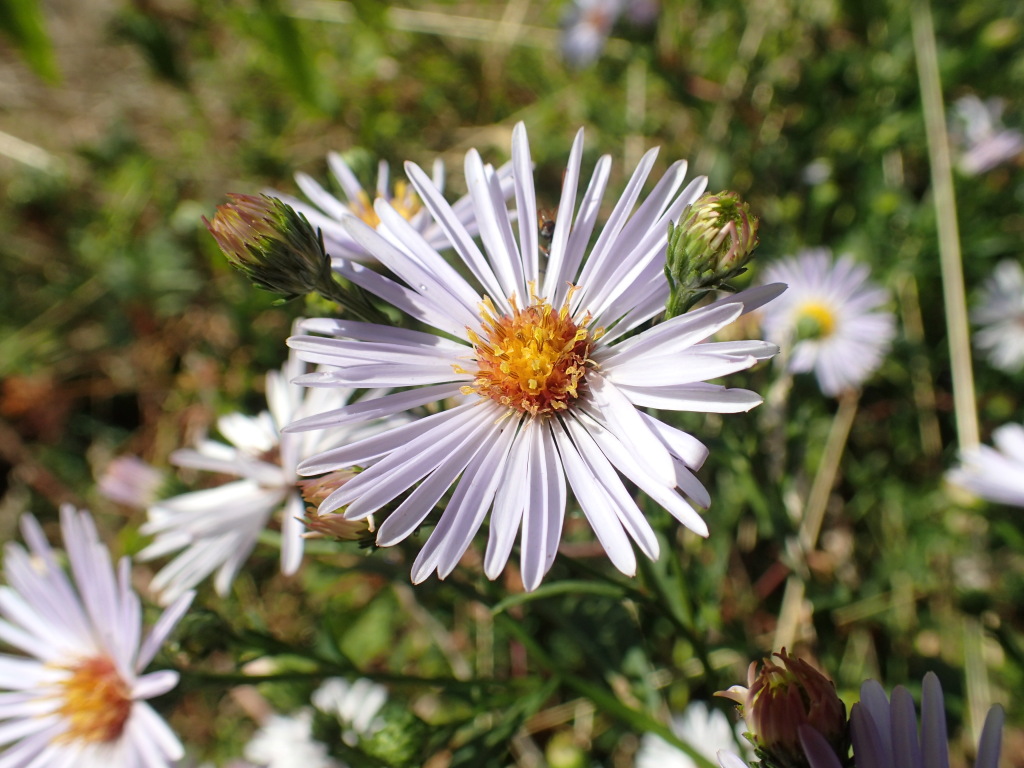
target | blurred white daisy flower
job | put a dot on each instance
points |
(532, 354)
(216, 529)
(328, 212)
(999, 311)
(355, 705)
(983, 140)
(995, 473)
(286, 741)
(77, 697)
(829, 319)
(585, 28)
(707, 730)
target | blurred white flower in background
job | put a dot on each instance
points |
(585, 28)
(994, 473)
(829, 321)
(355, 705)
(983, 140)
(707, 730)
(216, 529)
(286, 741)
(999, 313)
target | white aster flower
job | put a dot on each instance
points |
(355, 705)
(996, 474)
(885, 732)
(286, 741)
(80, 700)
(216, 529)
(707, 730)
(328, 213)
(1000, 313)
(829, 319)
(534, 356)
(983, 140)
(585, 28)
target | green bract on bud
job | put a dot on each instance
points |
(782, 698)
(272, 244)
(710, 245)
(401, 738)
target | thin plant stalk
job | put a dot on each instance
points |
(950, 259)
(814, 514)
(920, 371)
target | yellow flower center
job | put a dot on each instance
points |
(534, 360)
(404, 200)
(97, 702)
(814, 321)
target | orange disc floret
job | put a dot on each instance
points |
(97, 702)
(533, 360)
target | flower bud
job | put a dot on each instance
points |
(780, 699)
(337, 527)
(710, 245)
(272, 244)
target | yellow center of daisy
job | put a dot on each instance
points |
(814, 321)
(97, 702)
(533, 360)
(404, 200)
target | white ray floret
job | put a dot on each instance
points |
(76, 698)
(885, 731)
(995, 472)
(542, 389)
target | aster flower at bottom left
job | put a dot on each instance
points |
(78, 695)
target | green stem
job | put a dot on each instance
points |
(948, 230)
(814, 513)
(199, 677)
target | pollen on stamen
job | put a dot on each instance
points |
(96, 701)
(533, 360)
(404, 200)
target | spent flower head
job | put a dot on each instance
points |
(780, 699)
(711, 244)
